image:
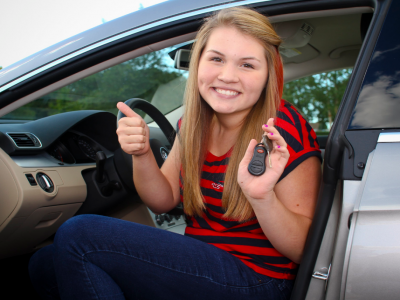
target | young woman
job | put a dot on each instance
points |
(245, 234)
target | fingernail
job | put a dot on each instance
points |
(272, 133)
(265, 125)
(279, 146)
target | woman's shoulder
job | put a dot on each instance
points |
(299, 135)
(294, 125)
(289, 112)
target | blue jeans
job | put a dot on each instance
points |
(96, 257)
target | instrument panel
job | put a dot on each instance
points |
(74, 147)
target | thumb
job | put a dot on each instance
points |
(126, 110)
(249, 152)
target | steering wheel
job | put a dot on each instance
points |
(123, 161)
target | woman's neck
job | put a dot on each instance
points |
(224, 132)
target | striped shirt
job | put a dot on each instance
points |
(246, 240)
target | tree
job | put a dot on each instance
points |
(318, 96)
(137, 78)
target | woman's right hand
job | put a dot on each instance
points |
(133, 132)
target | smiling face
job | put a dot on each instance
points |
(232, 71)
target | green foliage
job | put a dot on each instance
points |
(137, 78)
(318, 96)
(152, 77)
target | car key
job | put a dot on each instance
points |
(257, 164)
(266, 145)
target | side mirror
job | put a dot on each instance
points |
(182, 59)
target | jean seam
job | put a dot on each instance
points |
(223, 274)
(225, 285)
(49, 290)
(87, 275)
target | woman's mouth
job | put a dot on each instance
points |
(226, 92)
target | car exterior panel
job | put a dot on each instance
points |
(108, 33)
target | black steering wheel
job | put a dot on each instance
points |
(123, 161)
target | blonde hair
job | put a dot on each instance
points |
(198, 115)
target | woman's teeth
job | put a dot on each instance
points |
(227, 92)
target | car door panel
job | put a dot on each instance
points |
(9, 191)
(317, 285)
(349, 196)
(373, 245)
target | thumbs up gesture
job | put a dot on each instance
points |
(133, 132)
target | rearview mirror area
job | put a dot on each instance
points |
(182, 59)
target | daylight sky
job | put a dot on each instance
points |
(28, 26)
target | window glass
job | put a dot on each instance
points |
(151, 77)
(318, 97)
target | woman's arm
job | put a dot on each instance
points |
(286, 213)
(158, 189)
(284, 210)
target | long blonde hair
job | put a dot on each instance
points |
(197, 118)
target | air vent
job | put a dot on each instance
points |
(25, 140)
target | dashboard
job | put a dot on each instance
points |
(65, 139)
(48, 175)
(74, 148)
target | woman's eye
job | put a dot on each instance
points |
(217, 59)
(246, 65)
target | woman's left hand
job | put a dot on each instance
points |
(261, 187)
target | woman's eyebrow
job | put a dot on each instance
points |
(243, 58)
(215, 51)
(251, 57)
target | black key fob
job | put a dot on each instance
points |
(257, 165)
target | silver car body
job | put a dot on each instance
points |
(355, 256)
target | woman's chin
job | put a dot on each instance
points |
(224, 111)
(231, 112)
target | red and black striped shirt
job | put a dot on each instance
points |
(246, 240)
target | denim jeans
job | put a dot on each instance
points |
(96, 257)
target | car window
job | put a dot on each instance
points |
(318, 97)
(151, 77)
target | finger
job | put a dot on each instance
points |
(249, 152)
(132, 122)
(126, 110)
(273, 134)
(132, 139)
(128, 130)
(283, 151)
(269, 126)
(132, 148)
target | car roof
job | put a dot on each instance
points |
(113, 30)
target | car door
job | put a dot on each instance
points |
(360, 250)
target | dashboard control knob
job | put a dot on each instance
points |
(45, 182)
(159, 219)
(168, 218)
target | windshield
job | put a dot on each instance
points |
(151, 77)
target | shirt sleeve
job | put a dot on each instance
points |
(299, 135)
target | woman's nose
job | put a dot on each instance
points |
(228, 73)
